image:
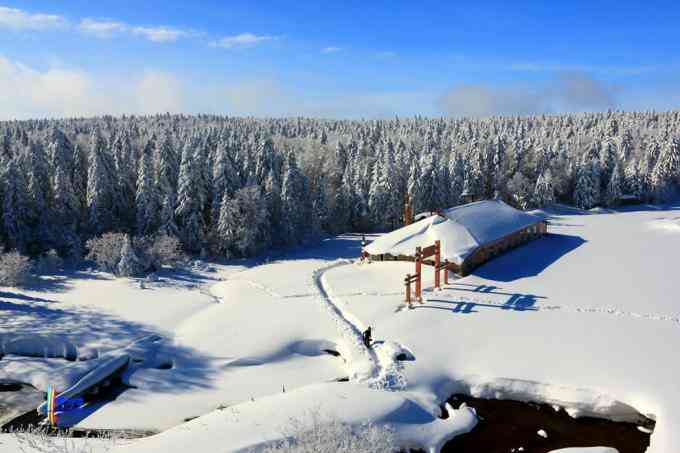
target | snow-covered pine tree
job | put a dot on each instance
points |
(522, 190)
(254, 234)
(474, 177)
(666, 171)
(427, 180)
(100, 186)
(379, 195)
(168, 173)
(129, 265)
(15, 209)
(146, 197)
(125, 177)
(344, 213)
(66, 215)
(189, 212)
(497, 161)
(414, 188)
(457, 177)
(224, 179)
(587, 190)
(40, 196)
(544, 192)
(226, 230)
(59, 151)
(294, 202)
(243, 226)
(608, 160)
(265, 160)
(614, 187)
(79, 179)
(320, 210)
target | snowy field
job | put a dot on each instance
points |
(585, 318)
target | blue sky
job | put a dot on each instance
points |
(336, 59)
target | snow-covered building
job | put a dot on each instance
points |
(470, 234)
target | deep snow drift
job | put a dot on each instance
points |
(584, 318)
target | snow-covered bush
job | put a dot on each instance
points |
(319, 434)
(121, 255)
(14, 269)
(37, 440)
(49, 262)
(165, 250)
(106, 250)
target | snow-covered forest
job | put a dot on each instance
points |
(238, 186)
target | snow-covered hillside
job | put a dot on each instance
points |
(584, 318)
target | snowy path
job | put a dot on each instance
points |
(386, 371)
(361, 361)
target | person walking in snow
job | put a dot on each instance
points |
(367, 337)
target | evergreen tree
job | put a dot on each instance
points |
(227, 229)
(457, 178)
(587, 190)
(243, 227)
(66, 215)
(189, 207)
(40, 195)
(79, 179)
(274, 205)
(544, 192)
(666, 171)
(124, 180)
(614, 187)
(294, 199)
(320, 211)
(15, 209)
(130, 265)
(168, 173)
(224, 179)
(100, 187)
(146, 198)
(379, 195)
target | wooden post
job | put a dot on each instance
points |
(419, 266)
(408, 289)
(437, 262)
(446, 272)
(408, 210)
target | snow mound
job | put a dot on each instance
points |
(38, 346)
(670, 225)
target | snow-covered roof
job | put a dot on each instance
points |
(461, 230)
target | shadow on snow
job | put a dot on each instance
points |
(530, 259)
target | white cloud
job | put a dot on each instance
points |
(110, 28)
(17, 19)
(102, 28)
(26, 92)
(569, 91)
(159, 92)
(242, 40)
(331, 49)
(160, 34)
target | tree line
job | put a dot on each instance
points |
(228, 186)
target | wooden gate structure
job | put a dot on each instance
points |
(421, 255)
